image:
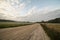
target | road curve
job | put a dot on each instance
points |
(30, 32)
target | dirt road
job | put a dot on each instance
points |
(30, 32)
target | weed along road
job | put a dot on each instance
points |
(29, 32)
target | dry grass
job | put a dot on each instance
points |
(52, 29)
(53, 26)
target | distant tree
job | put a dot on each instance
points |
(42, 21)
(57, 20)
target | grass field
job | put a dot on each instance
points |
(12, 24)
(52, 29)
(54, 26)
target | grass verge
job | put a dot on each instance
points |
(54, 35)
(12, 24)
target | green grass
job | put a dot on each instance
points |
(12, 24)
(52, 29)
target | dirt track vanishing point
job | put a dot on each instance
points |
(30, 32)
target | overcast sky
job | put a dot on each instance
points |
(27, 10)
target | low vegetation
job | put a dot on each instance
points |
(52, 29)
(12, 24)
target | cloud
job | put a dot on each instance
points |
(43, 10)
(9, 10)
(37, 14)
(17, 4)
(21, 6)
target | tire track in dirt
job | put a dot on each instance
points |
(39, 34)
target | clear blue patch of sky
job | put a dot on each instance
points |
(43, 3)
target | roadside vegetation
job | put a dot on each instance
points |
(52, 29)
(13, 24)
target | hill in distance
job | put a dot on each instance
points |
(57, 20)
(4, 20)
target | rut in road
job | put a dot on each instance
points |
(30, 32)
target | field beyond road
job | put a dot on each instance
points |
(30, 32)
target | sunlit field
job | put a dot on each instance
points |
(12, 24)
(52, 29)
(54, 26)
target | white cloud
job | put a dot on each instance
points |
(36, 14)
(21, 6)
(18, 5)
(44, 10)
(9, 11)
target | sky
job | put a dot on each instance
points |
(26, 10)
